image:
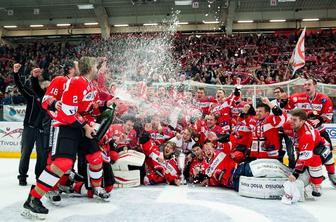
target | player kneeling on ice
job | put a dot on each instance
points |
(160, 169)
(307, 138)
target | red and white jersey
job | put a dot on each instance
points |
(203, 130)
(220, 169)
(198, 166)
(318, 139)
(169, 168)
(161, 137)
(53, 94)
(305, 140)
(152, 153)
(223, 111)
(121, 137)
(236, 109)
(319, 106)
(203, 104)
(80, 102)
(242, 130)
(266, 141)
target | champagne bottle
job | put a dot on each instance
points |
(105, 119)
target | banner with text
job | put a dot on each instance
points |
(10, 136)
(14, 113)
(331, 129)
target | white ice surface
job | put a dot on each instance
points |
(162, 203)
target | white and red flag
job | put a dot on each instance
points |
(298, 56)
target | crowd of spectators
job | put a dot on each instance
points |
(259, 59)
(212, 59)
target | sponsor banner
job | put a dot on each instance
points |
(14, 113)
(10, 136)
(331, 129)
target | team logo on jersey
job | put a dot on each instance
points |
(90, 96)
(295, 99)
(324, 100)
(305, 155)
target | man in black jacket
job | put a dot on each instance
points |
(32, 130)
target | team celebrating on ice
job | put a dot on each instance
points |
(170, 136)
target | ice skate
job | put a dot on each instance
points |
(34, 209)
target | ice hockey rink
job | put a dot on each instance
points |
(162, 203)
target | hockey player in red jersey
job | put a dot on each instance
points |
(242, 132)
(221, 165)
(160, 169)
(160, 134)
(124, 135)
(209, 129)
(52, 98)
(51, 102)
(222, 108)
(196, 165)
(318, 106)
(305, 138)
(266, 142)
(203, 102)
(79, 103)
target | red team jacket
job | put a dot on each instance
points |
(237, 108)
(305, 140)
(204, 104)
(223, 112)
(221, 167)
(80, 103)
(53, 94)
(243, 128)
(320, 106)
(266, 141)
(116, 132)
(168, 171)
(202, 130)
(161, 137)
(199, 166)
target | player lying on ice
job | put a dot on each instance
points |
(160, 168)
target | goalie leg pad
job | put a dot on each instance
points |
(264, 188)
(128, 158)
(270, 168)
(127, 178)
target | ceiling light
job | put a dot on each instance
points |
(277, 20)
(210, 22)
(36, 26)
(85, 6)
(121, 25)
(63, 25)
(310, 20)
(91, 23)
(182, 23)
(149, 24)
(183, 2)
(10, 26)
(245, 21)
